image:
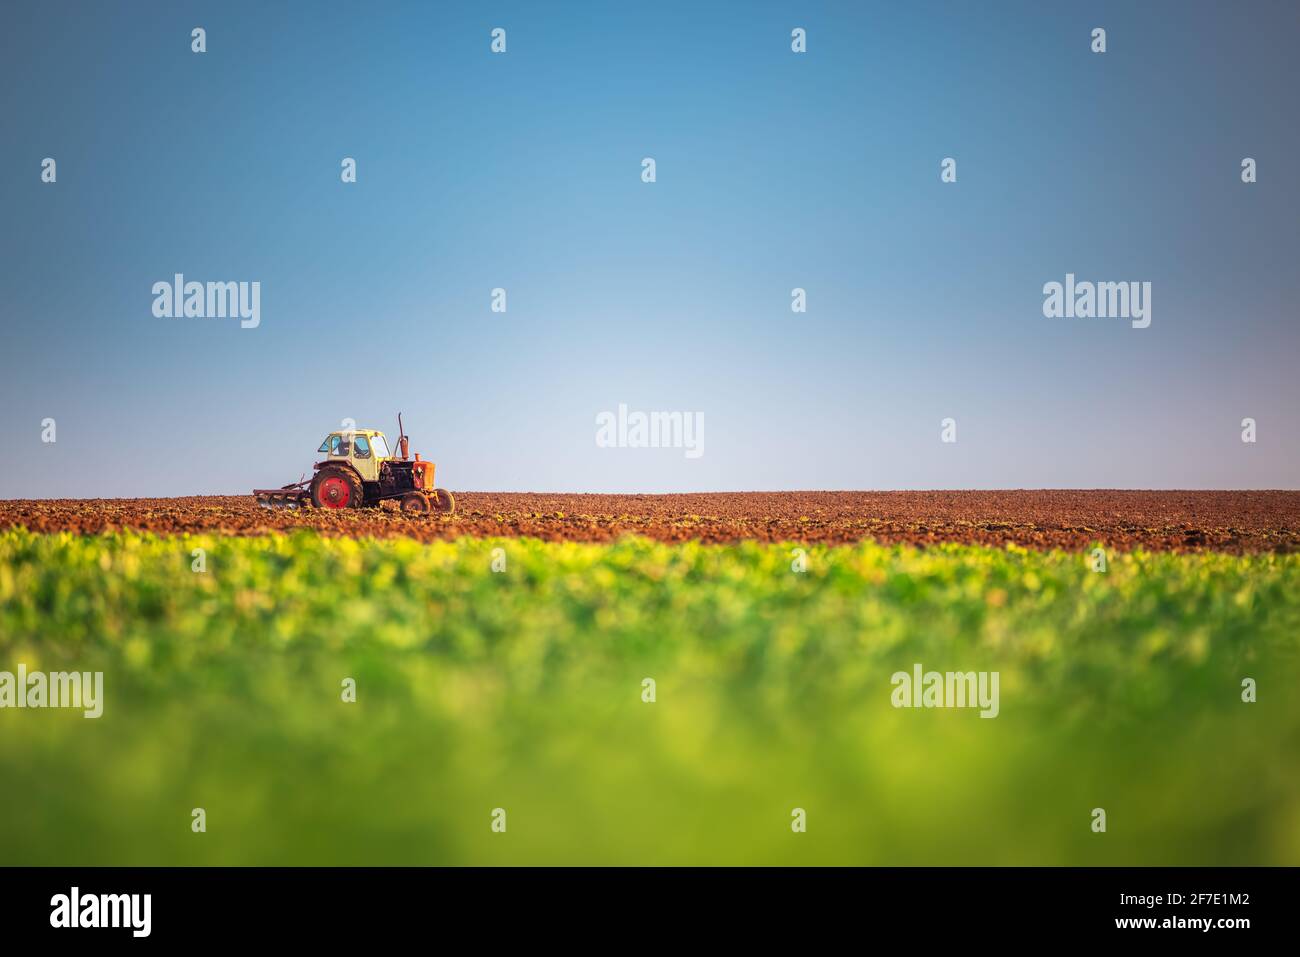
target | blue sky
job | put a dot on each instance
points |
(775, 170)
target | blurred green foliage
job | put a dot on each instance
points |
(522, 689)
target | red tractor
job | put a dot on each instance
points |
(359, 471)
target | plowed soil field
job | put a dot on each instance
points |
(1180, 521)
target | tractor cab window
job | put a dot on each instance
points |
(380, 445)
(363, 447)
(334, 445)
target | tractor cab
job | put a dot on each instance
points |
(364, 449)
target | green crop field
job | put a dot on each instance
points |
(522, 689)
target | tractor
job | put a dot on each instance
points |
(359, 471)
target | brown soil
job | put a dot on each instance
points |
(1180, 521)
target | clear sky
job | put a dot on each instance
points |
(775, 170)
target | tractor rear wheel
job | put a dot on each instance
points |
(335, 487)
(415, 503)
(443, 501)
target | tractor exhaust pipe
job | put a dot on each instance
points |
(403, 444)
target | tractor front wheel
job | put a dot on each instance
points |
(335, 488)
(443, 501)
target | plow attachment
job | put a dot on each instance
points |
(290, 496)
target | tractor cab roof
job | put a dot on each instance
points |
(361, 443)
